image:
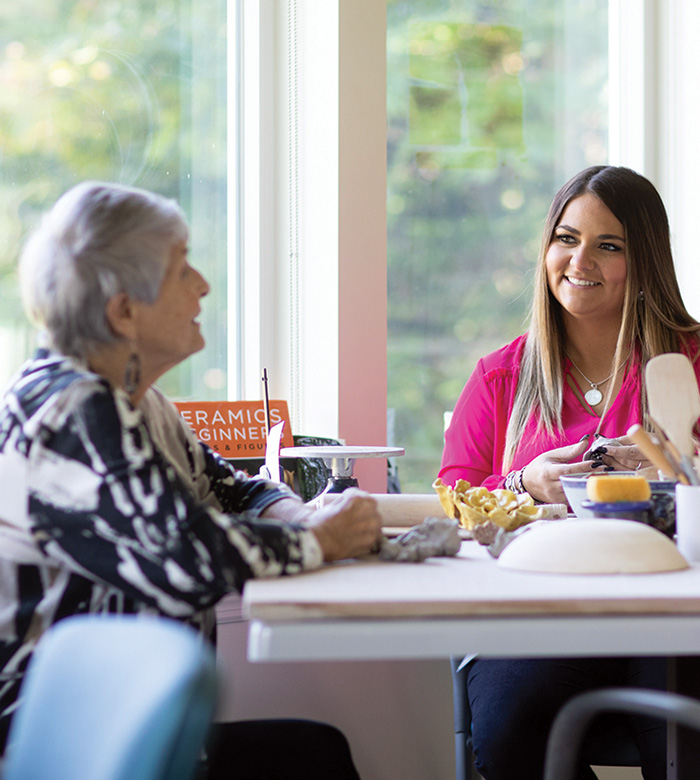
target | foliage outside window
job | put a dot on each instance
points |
(491, 106)
(133, 93)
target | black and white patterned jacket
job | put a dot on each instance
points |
(109, 508)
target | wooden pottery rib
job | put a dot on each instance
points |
(674, 400)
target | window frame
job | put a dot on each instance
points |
(338, 386)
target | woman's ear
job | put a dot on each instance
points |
(120, 313)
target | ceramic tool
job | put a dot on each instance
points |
(272, 469)
(266, 401)
(674, 404)
(653, 452)
(671, 451)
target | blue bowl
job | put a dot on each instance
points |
(621, 510)
(663, 498)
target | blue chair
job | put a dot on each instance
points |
(113, 698)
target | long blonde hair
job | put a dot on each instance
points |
(654, 318)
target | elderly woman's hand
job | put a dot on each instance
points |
(541, 475)
(348, 526)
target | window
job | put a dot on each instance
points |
(146, 93)
(492, 106)
(134, 93)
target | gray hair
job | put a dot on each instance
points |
(97, 241)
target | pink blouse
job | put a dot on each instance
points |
(475, 439)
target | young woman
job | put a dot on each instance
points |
(606, 300)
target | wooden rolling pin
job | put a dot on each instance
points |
(407, 509)
(400, 509)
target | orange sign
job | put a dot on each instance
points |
(235, 429)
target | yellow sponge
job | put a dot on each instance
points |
(609, 487)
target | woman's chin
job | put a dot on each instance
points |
(197, 347)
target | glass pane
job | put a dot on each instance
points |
(492, 106)
(133, 93)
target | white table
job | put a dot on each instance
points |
(468, 604)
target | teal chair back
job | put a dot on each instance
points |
(113, 698)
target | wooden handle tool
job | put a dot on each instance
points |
(655, 454)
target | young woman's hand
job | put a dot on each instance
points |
(541, 475)
(625, 455)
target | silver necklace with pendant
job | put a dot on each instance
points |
(593, 396)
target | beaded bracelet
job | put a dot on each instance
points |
(514, 481)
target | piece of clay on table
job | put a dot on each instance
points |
(433, 537)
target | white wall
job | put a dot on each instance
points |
(397, 716)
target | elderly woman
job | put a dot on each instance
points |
(110, 504)
(606, 300)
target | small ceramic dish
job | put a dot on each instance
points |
(641, 511)
(663, 498)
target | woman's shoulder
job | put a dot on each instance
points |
(164, 420)
(52, 381)
(690, 346)
(155, 403)
(172, 434)
(504, 361)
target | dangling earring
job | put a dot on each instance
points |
(641, 295)
(132, 373)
